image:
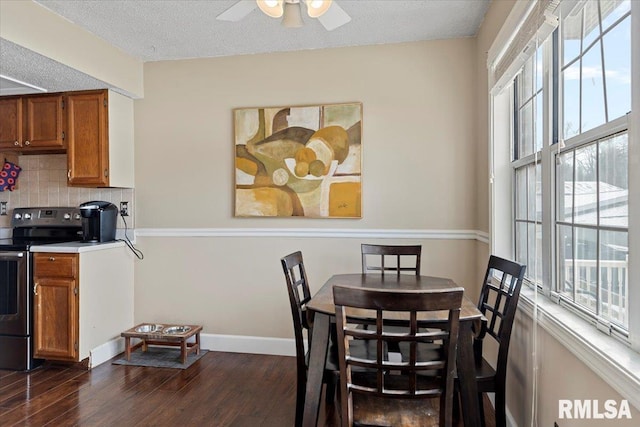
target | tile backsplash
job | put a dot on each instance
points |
(43, 182)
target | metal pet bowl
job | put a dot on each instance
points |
(148, 328)
(176, 330)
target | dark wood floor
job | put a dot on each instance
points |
(221, 389)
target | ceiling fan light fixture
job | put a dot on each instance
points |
(292, 18)
(316, 8)
(272, 8)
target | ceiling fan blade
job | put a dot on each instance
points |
(334, 17)
(238, 11)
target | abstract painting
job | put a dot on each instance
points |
(303, 161)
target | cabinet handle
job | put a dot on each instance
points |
(16, 143)
(35, 289)
(51, 258)
(27, 143)
(69, 175)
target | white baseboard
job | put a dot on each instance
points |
(246, 344)
(106, 351)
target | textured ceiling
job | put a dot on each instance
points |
(156, 30)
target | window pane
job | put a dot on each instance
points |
(585, 198)
(538, 70)
(521, 242)
(538, 192)
(592, 89)
(564, 185)
(591, 29)
(612, 10)
(571, 100)
(538, 122)
(538, 251)
(614, 276)
(565, 260)
(617, 57)
(526, 131)
(614, 181)
(571, 35)
(531, 193)
(521, 193)
(532, 250)
(586, 266)
(526, 87)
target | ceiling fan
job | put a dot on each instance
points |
(330, 15)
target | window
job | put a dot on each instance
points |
(592, 174)
(578, 143)
(527, 145)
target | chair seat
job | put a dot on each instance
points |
(374, 411)
(485, 377)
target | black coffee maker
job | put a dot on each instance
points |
(98, 221)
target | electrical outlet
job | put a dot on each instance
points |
(3, 208)
(124, 208)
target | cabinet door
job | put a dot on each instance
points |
(10, 123)
(43, 122)
(87, 139)
(56, 319)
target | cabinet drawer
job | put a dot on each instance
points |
(56, 265)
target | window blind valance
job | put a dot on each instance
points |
(529, 24)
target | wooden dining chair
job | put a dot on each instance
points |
(498, 302)
(377, 391)
(389, 258)
(299, 294)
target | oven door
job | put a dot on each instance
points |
(14, 294)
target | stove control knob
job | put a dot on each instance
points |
(76, 216)
(27, 216)
(17, 216)
(66, 216)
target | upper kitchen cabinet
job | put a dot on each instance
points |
(99, 139)
(10, 123)
(32, 124)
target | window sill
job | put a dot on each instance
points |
(614, 361)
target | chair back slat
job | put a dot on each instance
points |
(499, 299)
(389, 258)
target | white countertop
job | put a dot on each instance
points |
(75, 247)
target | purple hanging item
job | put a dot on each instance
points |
(9, 176)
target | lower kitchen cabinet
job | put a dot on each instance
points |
(56, 306)
(82, 302)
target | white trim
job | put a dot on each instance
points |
(248, 344)
(507, 33)
(481, 236)
(105, 351)
(613, 361)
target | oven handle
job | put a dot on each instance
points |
(11, 254)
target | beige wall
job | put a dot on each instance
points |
(418, 134)
(418, 130)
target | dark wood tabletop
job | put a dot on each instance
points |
(322, 301)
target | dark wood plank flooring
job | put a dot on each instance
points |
(221, 389)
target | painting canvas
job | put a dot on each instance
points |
(299, 161)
